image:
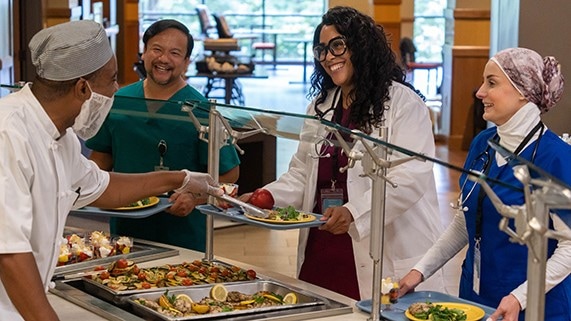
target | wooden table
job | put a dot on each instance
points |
(274, 33)
(231, 86)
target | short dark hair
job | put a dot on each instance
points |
(162, 25)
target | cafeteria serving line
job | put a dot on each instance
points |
(281, 268)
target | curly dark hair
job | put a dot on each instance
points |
(375, 66)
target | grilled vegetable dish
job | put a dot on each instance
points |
(124, 275)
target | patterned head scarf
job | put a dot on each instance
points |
(70, 50)
(537, 79)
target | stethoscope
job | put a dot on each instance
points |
(484, 158)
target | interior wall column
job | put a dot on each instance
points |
(388, 15)
(466, 51)
(127, 40)
(365, 6)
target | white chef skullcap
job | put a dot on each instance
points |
(70, 50)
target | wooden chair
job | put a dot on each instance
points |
(206, 25)
(224, 41)
(222, 26)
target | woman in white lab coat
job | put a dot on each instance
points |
(357, 84)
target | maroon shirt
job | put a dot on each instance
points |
(329, 260)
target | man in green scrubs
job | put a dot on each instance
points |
(166, 139)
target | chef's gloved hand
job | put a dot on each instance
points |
(199, 183)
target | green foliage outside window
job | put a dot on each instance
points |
(299, 16)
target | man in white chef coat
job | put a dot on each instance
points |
(42, 172)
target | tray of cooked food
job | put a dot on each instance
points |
(221, 301)
(80, 251)
(81, 247)
(431, 305)
(277, 218)
(142, 208)
(123, 277)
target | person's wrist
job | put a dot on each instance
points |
(185, 181)
(419, 275)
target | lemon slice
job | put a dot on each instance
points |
(219, 292)
(184, 297)
(271, 297)
(290, 298)
(200, 308)
(247, 302)
(164, 302)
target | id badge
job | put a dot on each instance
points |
(162, 149)
(331, 197)
(477, 265)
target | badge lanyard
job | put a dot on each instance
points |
(333, 196)
(162, 149)
(482, 195)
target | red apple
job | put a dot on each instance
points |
(262, 198)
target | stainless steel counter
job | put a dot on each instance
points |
(73, 311)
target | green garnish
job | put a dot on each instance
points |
(440, 313)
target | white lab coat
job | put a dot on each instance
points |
(40, 174)
(412, 222)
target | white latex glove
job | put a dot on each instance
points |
(199, 183)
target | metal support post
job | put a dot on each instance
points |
(536, 264)
(378, 196)
(213, 170)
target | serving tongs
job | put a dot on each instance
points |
(246, 207)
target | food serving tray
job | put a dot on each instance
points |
(304, 299)
(141, 251)
(119, 297)
(134, 213)
(399, 308)
(236, 214)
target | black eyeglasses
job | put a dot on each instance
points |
(336, 47)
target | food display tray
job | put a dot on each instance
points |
(141, 251)
(236, 214)
(119, 297)
(140, 213)
(304, 299)
(398, 309)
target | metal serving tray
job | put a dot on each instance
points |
(120, 297)
(198, 293)
(141, 251)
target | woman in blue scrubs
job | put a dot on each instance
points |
(519, 85)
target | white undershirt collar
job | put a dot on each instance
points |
(513, 131)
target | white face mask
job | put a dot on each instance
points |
(92, 115)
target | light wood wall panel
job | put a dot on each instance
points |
(466, 51)
(365, 6)
(128, 39)
(388, 15)
(466, 64)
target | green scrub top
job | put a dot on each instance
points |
(133, 141)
